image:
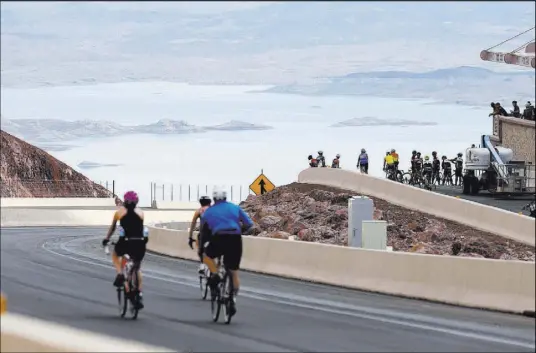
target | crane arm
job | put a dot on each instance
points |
(509, 58)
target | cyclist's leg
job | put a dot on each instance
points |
(212, 250)
(138, 253)
(232, 257)
(200, 249)
(117, 258)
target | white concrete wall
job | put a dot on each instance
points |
(25, 334)
(486, 218)
(482, 283)
(56, 202)
(42, 217)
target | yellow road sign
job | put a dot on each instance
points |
(3, 304)
(261, 185)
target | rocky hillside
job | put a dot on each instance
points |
(27, 171)
(319, 213)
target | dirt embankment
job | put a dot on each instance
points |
(320, 214)
(27, 171)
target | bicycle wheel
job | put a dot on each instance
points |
(399, 176)
(406, 178)
(215, 303)
(122, 301)
(227, 298)
(203, 286)
(133, 285)
(134, 307)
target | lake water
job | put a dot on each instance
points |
(301, 127)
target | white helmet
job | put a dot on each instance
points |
(219, 193)
(338, 155)
(320, 152)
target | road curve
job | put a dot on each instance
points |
(62, 275)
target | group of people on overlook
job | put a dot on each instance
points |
(418, 165)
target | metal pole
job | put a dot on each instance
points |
(189, 193)
(172, 192)
(154, 192)
(113, 187)
(231, 193)
(180, 192)
(151, 193)
(107, 185)
(206, 190)
(163, 195)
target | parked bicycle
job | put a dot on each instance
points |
(130, 271)
(223, 295)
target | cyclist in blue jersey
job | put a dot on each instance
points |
(222, 224)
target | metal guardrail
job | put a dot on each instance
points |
(54, 188)
(192, 192)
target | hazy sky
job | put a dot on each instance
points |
(247, 42)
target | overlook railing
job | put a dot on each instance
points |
(192, 192)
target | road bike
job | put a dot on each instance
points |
(390, 173)
(223, 295)
(130, 271)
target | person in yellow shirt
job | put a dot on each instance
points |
(389, 164)
(395, 158)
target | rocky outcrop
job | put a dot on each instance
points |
(319, 213)
(27, 171)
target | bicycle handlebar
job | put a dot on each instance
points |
(107, 247)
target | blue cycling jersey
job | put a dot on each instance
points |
(225, 217)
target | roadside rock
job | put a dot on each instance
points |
(320, 214)
(27, 171)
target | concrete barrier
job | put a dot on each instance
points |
(42, 217)
(173, 205)
(482, 283)
(56, 202)
(486, 218)
(24, 334)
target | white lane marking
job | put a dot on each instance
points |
(490, 330)
(477, 336)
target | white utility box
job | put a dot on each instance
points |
(360, 208)
(374, 235)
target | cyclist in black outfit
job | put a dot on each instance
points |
(427, 169)
(458, 168)
(436, 166)
(413, 157)
(447, 170)
(132, 242)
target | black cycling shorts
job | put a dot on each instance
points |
(227, 245)
(135, 248)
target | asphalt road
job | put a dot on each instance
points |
(485, 198)
(62, 275)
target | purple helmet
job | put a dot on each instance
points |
(130, 197)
